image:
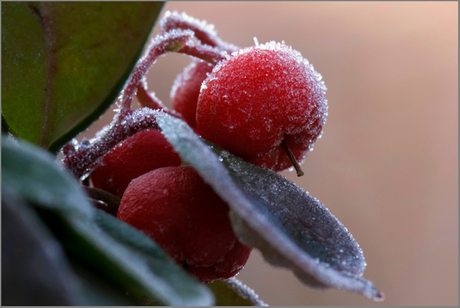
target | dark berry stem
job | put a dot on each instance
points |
(103, 200)
(292, 158)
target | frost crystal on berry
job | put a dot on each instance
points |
(260, 101)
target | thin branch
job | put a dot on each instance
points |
(204, 32)
(87, 154)
(148, 99)
(161, 44)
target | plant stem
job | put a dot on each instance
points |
(87, 155)
(292, 158)
(161, 44)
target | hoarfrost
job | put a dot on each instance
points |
(291, 228)
(244, 291)
(174, 16)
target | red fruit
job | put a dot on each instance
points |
(139, 154)
(186, 88)
(174, 207)
(260, 97)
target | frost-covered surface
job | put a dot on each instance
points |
(204, 31)
(186, 89)
(132, 258)
(244, 291)
(260, 97)
(290, 227)
(160, 44)
(81, 158)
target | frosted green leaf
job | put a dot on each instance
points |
(291, 228)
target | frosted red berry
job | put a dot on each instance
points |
(186, 89)
(139, 154)
(174, 207)
(259, 97)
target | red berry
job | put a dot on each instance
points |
(259, 97)
(174, 207)
(139, 154)
(186, 88)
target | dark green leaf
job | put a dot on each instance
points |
(291, 228)
(144, 278)
(232, 292)
(64, 63)
(36, 176)
(97, 291)
(174, 285)
(127, 258)
(35, 270)
(5, 127)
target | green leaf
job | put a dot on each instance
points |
(64, 63)
(232, 292)
(290, 227)
(124, 256)
(36, 176)
(97, 291)
(146, 279)
(35, 270)
(174, 285)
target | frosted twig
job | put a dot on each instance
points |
(86, 155)
(80, 159)
(244, 291)
(148, 99)
(161, 44)
(204, 32)
(210, 54)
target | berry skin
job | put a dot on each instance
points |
(139, 154)
(183, 215)
(186, 88)
(260, 97)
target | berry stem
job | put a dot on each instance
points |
(204, 32)
(292, 158)
(210, 54)
(87, 154)
(148, 99)
(172, 41)
(161, 44)
(103, 200)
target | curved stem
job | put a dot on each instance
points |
(203, 52)
(171, 41)
(87, 154)
(148, 99)
(80, 160)
(204, 32)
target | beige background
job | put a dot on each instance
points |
(387, 164)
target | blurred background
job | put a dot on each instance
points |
(387, 164)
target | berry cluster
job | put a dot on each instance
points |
(264, 103)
